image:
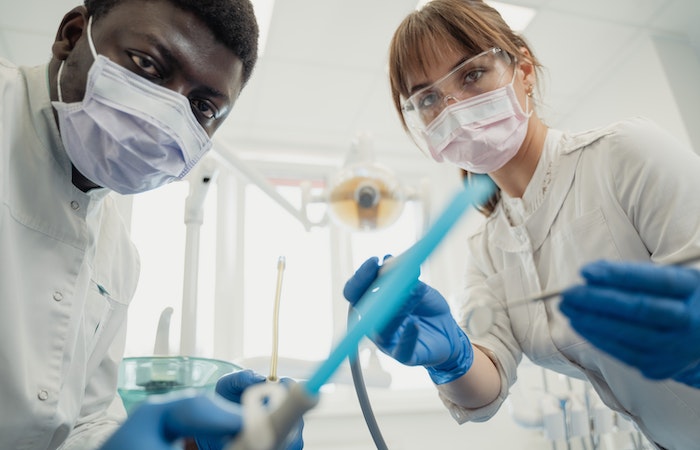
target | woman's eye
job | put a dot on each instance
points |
(203, 108)
(146, 65)
(427, 100)
(472, 76)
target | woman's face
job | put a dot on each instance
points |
(456, 77)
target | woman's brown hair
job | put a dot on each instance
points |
(448, 26)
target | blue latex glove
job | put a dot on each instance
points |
(231, 388)
(645, 315)
(157, 424)
(422, 333)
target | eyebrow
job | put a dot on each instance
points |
(420, 86)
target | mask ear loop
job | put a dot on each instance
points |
(58, 81)
(514, 62)
(528, 96)
(89, 37)
(91, 44)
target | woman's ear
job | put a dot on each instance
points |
(527, 67)
(69, 31)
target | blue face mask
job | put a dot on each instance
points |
(128, 134)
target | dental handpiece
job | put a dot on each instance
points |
(480, 317)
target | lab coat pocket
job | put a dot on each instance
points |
(585, 239)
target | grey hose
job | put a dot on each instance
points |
(361, 390)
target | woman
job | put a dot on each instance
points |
(462, 83)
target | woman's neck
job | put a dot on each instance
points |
(514, 177)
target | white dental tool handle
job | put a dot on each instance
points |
(270, 412)
(162, 344)
(200, 181)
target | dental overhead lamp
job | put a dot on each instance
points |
(364, 195)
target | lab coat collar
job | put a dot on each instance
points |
(44, 121)
(530, 236)
(42, 115)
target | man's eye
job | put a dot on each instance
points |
(146, 65)
(203, 108)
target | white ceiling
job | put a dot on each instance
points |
(322, 79)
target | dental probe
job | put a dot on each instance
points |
(281, 264)
(546, 295)
(480, 317)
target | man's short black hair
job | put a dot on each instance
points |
(232, 22)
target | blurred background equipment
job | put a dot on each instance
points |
(364, 195)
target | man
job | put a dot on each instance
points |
(128, 102)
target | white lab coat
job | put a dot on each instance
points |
(68, 272)
(625, 192)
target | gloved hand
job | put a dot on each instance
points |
(422, 333)
(645, 315)
(157, 424)
(231, 388)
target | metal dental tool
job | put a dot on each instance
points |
(480, 317)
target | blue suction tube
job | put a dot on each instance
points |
(376, 307)
(388, 292)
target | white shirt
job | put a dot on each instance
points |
(68, 272)
(625, 192)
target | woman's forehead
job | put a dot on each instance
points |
(422, 60)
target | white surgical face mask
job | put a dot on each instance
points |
(480, 134)
(128, 134)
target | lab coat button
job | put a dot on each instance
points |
(75, 205)
(57, 296)
(43, 395)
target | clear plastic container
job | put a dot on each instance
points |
(142, 377)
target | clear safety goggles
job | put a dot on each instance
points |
(482, 73)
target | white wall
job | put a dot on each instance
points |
(657, 78)
(681, 63)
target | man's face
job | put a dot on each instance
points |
(162, 43)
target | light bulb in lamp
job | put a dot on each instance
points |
(365, 196)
